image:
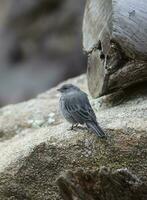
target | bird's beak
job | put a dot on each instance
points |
(59, 89)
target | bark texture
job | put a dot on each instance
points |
(115, 39)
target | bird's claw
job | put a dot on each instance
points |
(72, 127)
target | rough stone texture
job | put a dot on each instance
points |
(102, 184)
(36, 147)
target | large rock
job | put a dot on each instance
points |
(40, 45)
(36, 147)
(103, 184)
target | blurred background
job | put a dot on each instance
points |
(40, 46)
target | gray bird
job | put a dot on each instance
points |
(76, 109)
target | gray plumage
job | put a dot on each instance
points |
(76, 109)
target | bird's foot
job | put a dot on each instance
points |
(72, 127)
(76, 125)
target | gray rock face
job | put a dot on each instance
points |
(102, 184)
(36, 147)
(40, 45)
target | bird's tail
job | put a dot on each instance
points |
(93, 126)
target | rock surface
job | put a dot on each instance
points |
(36, 147)
(102, 184)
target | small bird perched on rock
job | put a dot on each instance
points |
(76, 109)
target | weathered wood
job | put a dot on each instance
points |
(115, 38)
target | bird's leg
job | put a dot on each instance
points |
(73, 126)
(76, 125)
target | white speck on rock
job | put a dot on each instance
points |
(51, 118)
(35, 123)
(51, 114)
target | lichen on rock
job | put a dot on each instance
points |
(32, 157)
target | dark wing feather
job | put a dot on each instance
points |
(79, 107)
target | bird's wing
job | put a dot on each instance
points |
(79, 107)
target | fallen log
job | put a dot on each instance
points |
(115, 39)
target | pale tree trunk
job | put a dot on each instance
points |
(115, 38)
